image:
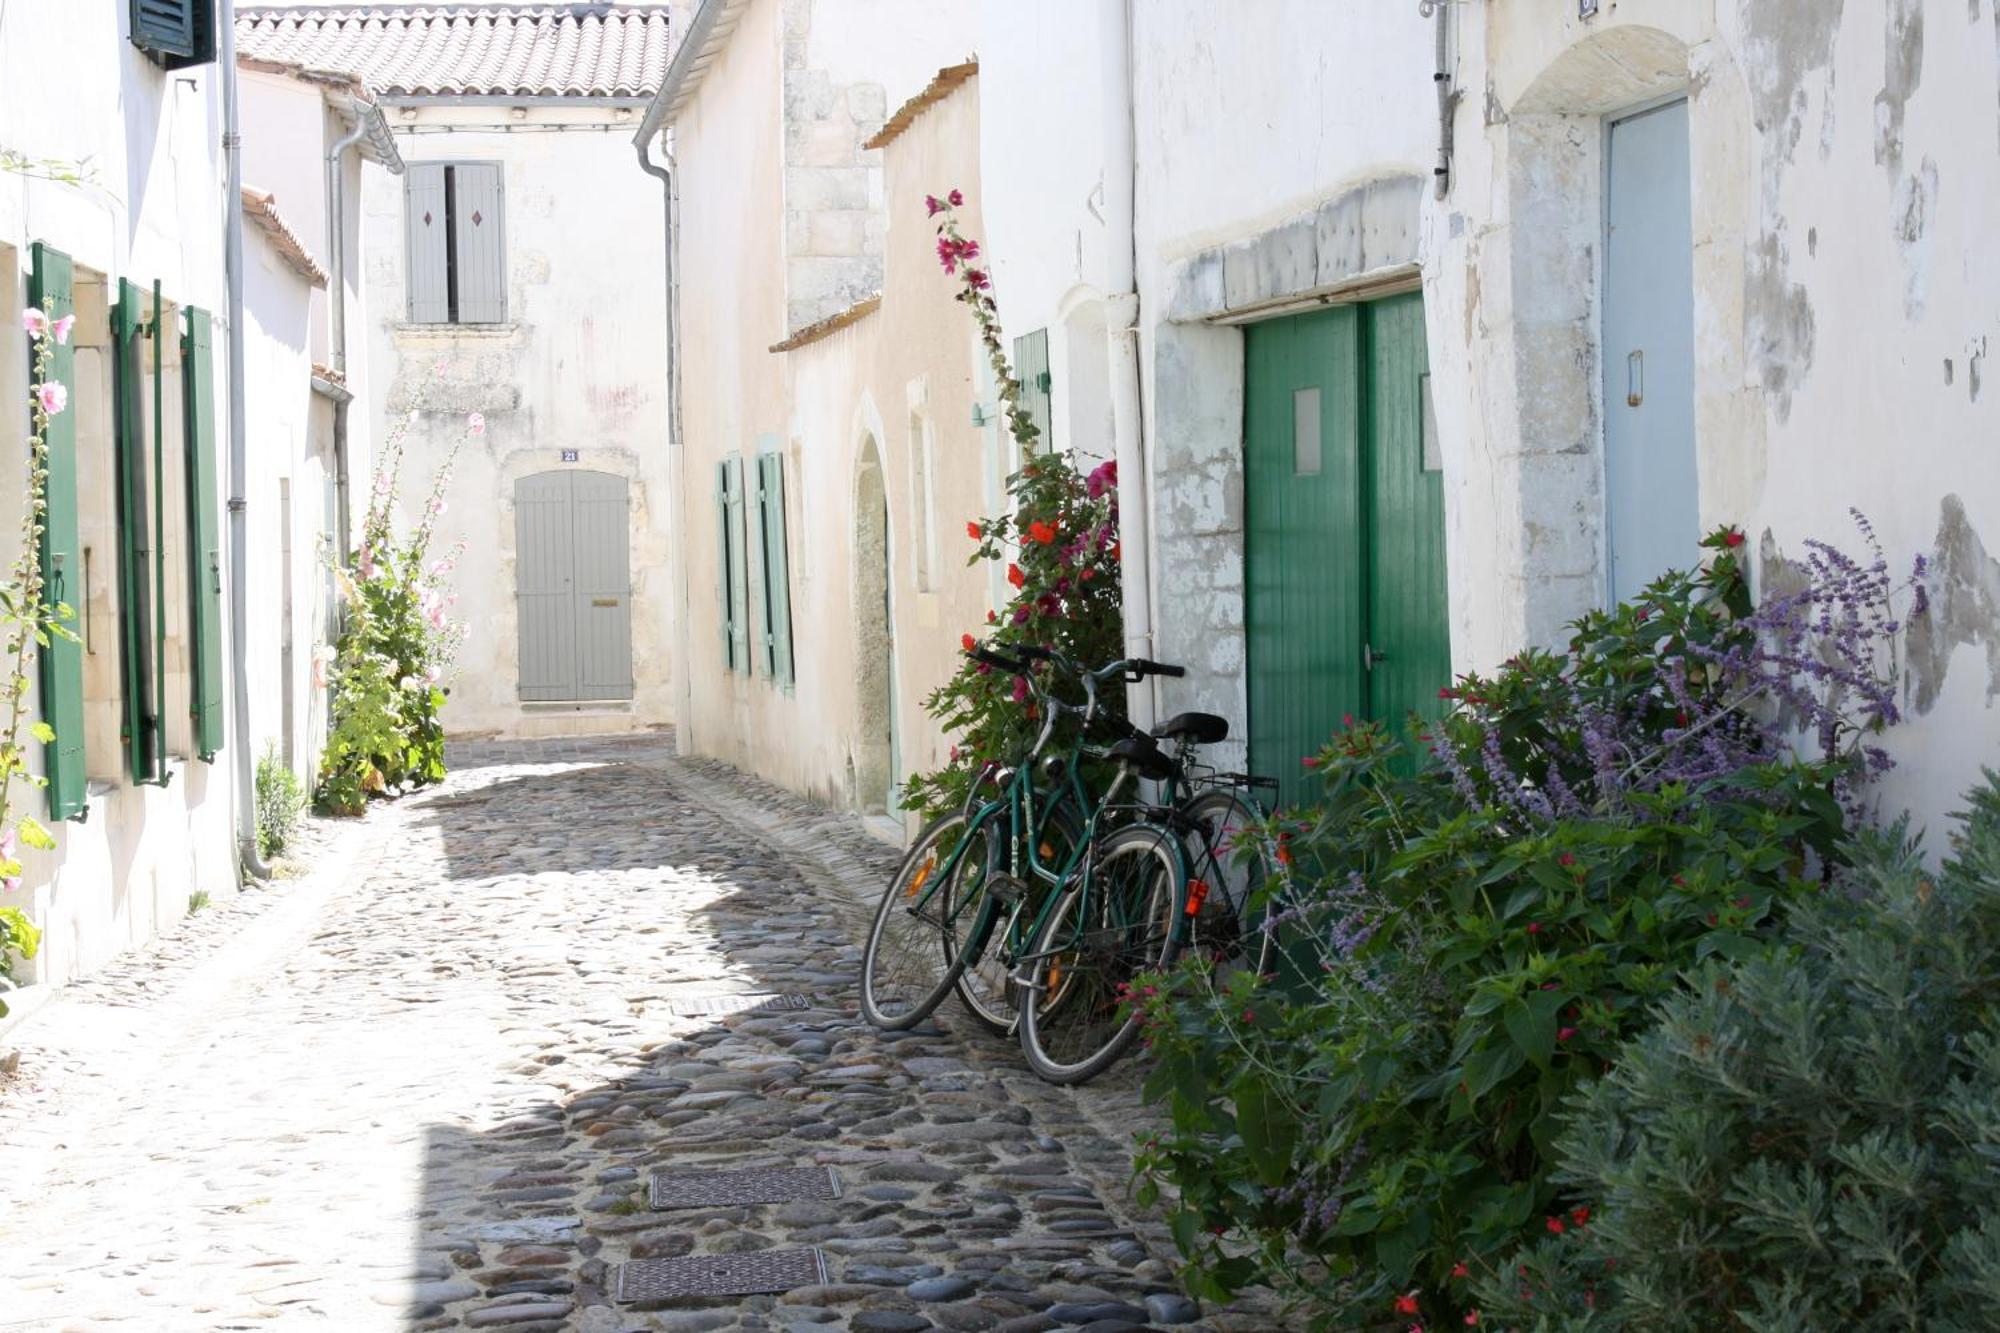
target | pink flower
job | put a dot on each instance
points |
(365, 561)
(956, 198)
(436, 506)
(931, 203)
(54, 397)
(1020, 689)
(35, 322)
(977, 279)
(1102, 478)
(7, 850)
(1565, 1034)
(442, 567)
(476, 423)
(62, 327)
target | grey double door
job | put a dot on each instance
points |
(573, 573)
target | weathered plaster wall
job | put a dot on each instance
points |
(153, 209)
(577, 365)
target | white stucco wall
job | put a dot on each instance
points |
(72, 87)
(579, 364)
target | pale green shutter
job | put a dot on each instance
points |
(777, 606)
(136, 587)
(61, 659)
(204, 534)
(1031, 364)
(739, 565)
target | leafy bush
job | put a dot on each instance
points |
(280, 802)
(396, 649)
(1470, 932)
(1805, 1140)
(1060, 544)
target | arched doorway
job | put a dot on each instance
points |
(877, 770)
(573, 586)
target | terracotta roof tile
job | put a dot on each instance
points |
(262, 210)
(420, 50)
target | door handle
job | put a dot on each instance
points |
(1369, 657)
(55, 597)
(604, 601)
(1635, 378)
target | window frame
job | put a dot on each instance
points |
(447, 169)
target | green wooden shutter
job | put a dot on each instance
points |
(204, 534)
(136, 588)
(1031, 363)
(175, 33)
(739, 565)
(61, 660)
(777, 573)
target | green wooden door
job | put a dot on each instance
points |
(1344, 536)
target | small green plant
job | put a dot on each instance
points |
(1804, 1140)
(197, 901)
(281, 800)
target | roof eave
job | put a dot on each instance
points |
(707, 33)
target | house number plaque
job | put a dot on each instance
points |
(569, 455)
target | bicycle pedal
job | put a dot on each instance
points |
(1006, 888)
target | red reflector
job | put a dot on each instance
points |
(1197, 895)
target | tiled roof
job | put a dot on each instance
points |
(934, 92)
(833, 323)
(577, 50)
(262, 209)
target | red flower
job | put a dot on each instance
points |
(1447, 693)
(1015, 576)
(1471, 1317)
(1310, 762)
(976, 279)
(1118, 551)
(1732, 539)
(1407, 1303)
(1566, 859)
(1460, 1270)
(972, 531)
(1565, 1034)
(992, 617)
(1534, 927)
(1087, 575)
(1556, 1227)
(1579, 1215)
(968, 641)
(1041, 532)
(956, 198)
(931, 203)
(947, 254)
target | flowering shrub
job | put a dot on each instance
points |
(28, 621)
(397, 648)
(1472, 931)
(1060, 546)
(1803, 1140)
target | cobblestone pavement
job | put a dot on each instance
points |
(424, 1087)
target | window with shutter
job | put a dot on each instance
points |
(63, 576)
(175, 33)
(204, 534)
(138, 522)
(454, 225)
(776, 583)
(1031, 363)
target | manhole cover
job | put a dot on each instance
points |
(704, 1006)
(712, 1189)
(720, 1274)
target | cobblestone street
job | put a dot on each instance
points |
(425, 1087)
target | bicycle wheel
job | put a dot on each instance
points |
(1228, 854)
(1114, 922)
(906, 971)
(986, 988)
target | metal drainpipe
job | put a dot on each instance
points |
(336, 295)
(677, 495)
(242, 765)
(1121, 320)
(1447, 96)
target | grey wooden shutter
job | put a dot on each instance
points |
(1031, 363)
(544, 582)
(735, 571)
(479, 270)
(777, 573)
(602, 525)
(425, 224)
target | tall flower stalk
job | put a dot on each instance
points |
(30, 623)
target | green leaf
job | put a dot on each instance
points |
(1489, 1065)
(1268, 1130)
(1534, 1033)
(43, 732)
(34, 835)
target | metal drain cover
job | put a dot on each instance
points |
(704, 1006)
(720, 1275)
(714, 1189)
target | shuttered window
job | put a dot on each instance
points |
(204, 534)
(63, 584)
(775, 586)
(734, 583)
(175, 33)
(1031, 363)
(455, 242)
(139, 515)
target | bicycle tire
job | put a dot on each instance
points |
(1236, 875)
(900, 984)
(984, 985)
(1086, 953)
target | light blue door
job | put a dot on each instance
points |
(1651, 514)
(573, 582)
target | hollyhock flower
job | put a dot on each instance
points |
(1015, 576)
(436, 506)
(35, 322)
(442, 566)
(1020, 615)
(476, 423)
(1102, 478)
(1407, 1303)
(1020, 689)
(431, 675)
(976, 278)
(365, 560)
(947, 254)
(1041, 532)
(409, 682)
(8, 849)
(54, 397)
(62, 327)
(932, 205)
(957, 199)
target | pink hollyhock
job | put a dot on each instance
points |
(62, 327)
(1102, 478)
(1020, 689)
(956, 198)
(476, 423)
(35, 322)
(54, 397)
(976, 278)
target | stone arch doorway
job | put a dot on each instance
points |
(877, 770)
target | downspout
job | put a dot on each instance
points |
(1121, 322)
(677, 457)
(336, 295)
(1447, 97)
(241, 764)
